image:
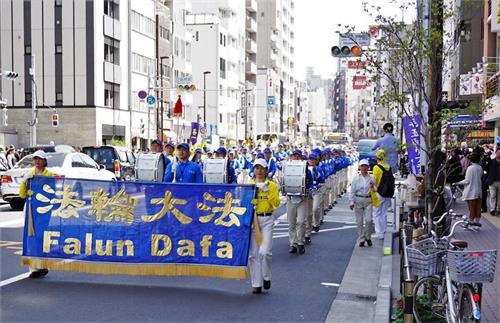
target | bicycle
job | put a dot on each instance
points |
(452, 277)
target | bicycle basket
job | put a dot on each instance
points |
(425, 259)
(472, 266)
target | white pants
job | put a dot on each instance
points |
(259, 257)
(494, 196)
(296, 214)
(363, 211)
(317, 211)
(333, 191)
(380, 216)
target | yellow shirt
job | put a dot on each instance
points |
(268, 201)
(22, 187)
(377, 172)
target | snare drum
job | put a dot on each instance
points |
(215, 171)
(294, 177)
(150, 167)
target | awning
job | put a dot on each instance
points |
(464, 121)
(169, 134)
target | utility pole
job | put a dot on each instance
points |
(34, 119)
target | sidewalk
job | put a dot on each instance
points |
(487, 238)
(364, 294)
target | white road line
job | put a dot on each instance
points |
(330, 284)
(14, 279)
(8, 224)
(324, 230)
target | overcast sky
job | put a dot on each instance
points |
(315, 25)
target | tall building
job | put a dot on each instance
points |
(219, 32)
(79, 50)
(275, 50)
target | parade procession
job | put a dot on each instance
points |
(185, 214)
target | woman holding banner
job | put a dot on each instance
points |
(40, 163)
(267, 200)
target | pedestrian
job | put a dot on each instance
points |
(260, 255)
(472, 187)
(380, 213)
(454, 167)
(183, 170)
(40, 169)
(11, 157)
(361, 202)
(493, 181)
(390, 144)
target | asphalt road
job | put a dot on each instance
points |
(303, 286)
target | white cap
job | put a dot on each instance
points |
(364, 162)
(40, 154)
(260, 161)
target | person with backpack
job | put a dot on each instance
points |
(385, 188)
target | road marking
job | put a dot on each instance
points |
(14, 279)
(330, 284)
(10, 224)
(324, 230)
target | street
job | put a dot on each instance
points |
(303, 286)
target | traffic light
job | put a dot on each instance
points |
(346, 51)
(55, 120)
(186, 87)
(5, 117)
(10, 75)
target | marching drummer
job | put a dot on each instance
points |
(184, 170)
(260, 255)
(296, 210)
(231, 175)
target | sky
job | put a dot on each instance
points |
(315, 25)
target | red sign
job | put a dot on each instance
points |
(359, 82)
(178, 108)
(356, 64)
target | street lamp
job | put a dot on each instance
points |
(205, 96)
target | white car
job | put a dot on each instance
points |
(71, 165)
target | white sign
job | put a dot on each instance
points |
(465, 84)
(361, 39)
(477, 83)
(495, 16)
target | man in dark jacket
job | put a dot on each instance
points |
(493, 181)
(454, 167)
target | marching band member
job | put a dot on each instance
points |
(168, 151)
(297, 210)
(197, 157)
(271, 162)
(313, 216)
(260, 255)
(184, 170)
(231, 175)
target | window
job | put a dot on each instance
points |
(111, 95)
(164, 33)
(111, 9)
(220, 39)
(142, 64)
(222, 62)
(111, 50)
(176, 46)
(220, 117)
(59, 97)
(27, 50)
(143, 24)
(220, 89)
(59, 49)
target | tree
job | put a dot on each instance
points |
(408, 62)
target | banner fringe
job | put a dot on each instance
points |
(91, 267)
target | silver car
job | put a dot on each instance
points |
(72, 165)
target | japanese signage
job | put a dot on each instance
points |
(359, 82)
(194, 132)
(356, 64)
(138, 228)
(411, 126)
(482, 134)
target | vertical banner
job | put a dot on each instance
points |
(495, 16)
(411, 126)
(195, 127)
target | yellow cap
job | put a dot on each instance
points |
(380, 154)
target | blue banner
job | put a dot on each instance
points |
(195, 127)
(411, 126)
(142, 228)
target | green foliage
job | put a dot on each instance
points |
(118, 142)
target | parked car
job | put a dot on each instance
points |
(48, 149)
(119, 160)
(72, 165)
(365, 149)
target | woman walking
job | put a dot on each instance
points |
(472, 187)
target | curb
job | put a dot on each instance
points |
(383, 304)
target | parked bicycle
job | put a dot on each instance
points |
(451, 277)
